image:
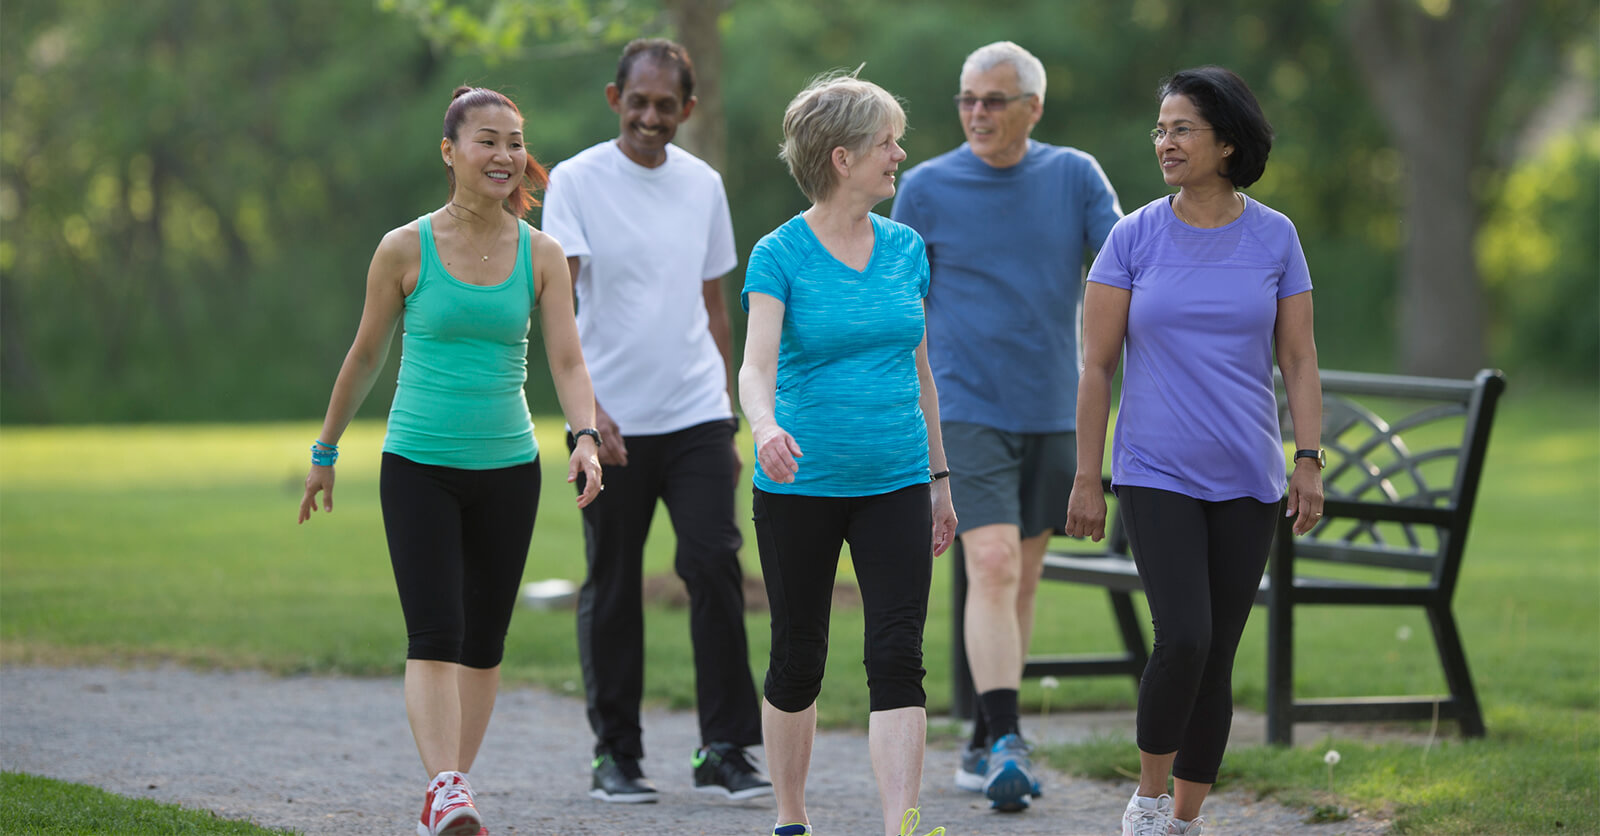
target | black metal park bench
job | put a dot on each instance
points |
(1405, 457)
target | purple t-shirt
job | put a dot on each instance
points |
(1198, 414)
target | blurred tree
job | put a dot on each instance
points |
(190, 191)
(500, 29)
(172, 177)
(1436, 70)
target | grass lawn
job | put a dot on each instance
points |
(130, 544)
(29, 804)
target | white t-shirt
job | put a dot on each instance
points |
(646, 238)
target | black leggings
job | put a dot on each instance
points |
(1201, 563)
(458, 540)
(891, 546)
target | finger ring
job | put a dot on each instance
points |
(1319, 513)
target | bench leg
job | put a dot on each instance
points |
(1132, 634)
(1280, 640)
(1454, 660)
(963, 699)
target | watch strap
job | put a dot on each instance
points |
(1318, 456)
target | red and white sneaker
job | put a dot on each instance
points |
(449, 811)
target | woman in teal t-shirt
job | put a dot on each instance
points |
(460, 476)
(837, 390)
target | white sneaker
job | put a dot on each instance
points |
(1147, 816)
(1193, 828)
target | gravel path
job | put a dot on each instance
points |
(327, 755)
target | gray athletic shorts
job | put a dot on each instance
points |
(996, 476)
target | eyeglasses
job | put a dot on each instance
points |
(990, 103)
(1180, 134)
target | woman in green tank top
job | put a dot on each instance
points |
(460, 475)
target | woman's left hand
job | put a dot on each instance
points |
(585, 460)
(1305, 496)
(944, 517)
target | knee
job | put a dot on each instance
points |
(1185, 651)
(435, 646)
(708, 566)
(993, 564)
(894, 680)
(794, 676)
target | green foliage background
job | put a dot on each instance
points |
(190, 192)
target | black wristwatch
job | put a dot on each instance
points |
(1319, 456)
(590, 432)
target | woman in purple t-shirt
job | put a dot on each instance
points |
(1199, 288)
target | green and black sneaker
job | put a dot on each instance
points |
(725, 769)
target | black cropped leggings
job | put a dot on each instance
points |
(1201, 563)
(458, 540)
(891, 547)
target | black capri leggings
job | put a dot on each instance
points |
(1200, 563)
(458, 540)
(891, 546)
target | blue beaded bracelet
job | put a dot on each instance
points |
(324, 456)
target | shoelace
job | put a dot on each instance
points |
(909, 821)
(457, 791)
(1149, 821)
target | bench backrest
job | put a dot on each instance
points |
(1405, 458)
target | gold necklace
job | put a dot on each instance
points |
(493, 236)
(1182, 217)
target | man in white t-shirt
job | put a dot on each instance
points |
(648, 236)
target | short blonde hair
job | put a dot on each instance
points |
(835, 110)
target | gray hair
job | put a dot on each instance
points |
(835, 110)
(1030, 71)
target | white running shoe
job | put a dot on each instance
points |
(1147, 816)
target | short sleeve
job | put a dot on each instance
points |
(1296, 276)
(1113, 264)
(764, 273)
(1101, 211)
(720, 254)
(561, 219)
(904, 209)
(919, 256)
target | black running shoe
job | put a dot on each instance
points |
(725, 769)
(618, 779)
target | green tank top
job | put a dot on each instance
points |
(463, 362)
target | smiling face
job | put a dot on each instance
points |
(487, 156)
(871, 170)
(649, 106)
(998, 136)
(1198, 160)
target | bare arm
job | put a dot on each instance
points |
(944, 511)
(722, 334)
(1297, 359)
(395, 261)
(721, 331)
(1105, 325)
(553, 283)
(613, 449)
(776, 450)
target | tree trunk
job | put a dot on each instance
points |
(1434, 81)
(1441, 323)
(695, 23)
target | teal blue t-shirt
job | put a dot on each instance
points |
(847, 387)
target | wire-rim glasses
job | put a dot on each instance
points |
(1180, 134)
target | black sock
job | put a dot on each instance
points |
(1000, 707)
(980, 728)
